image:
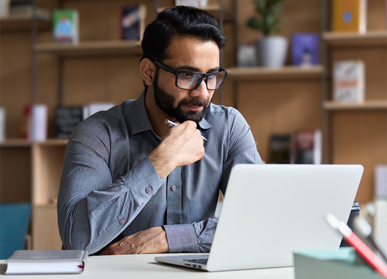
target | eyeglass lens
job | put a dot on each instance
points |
(188, 80)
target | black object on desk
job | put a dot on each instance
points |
(354, 213)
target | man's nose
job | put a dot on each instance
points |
(201, 91)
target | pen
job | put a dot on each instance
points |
(364, 229)
(366, 253)
(173, 124)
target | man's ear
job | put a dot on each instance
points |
(148, 71)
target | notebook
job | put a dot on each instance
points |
(46, 261)
(271, 210)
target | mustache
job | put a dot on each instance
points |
(194, 102)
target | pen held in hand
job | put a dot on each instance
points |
(173, 124)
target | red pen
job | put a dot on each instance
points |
(362, 249)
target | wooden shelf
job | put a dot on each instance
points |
(53, 142)
(367, 105)
(212, 9)
(15, 143)
(356, 39)
(91, 48)
(287, 72)
(27, 143)
(22, 23)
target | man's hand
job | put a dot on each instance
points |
(150, 241)
(182, 146)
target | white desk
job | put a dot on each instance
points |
(144, 267)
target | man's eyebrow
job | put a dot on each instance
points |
(190, 68)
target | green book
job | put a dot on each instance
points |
(66, 26)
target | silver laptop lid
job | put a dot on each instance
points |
(271, 210)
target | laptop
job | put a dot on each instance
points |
(271, 210)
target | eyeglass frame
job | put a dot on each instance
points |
(176, 73)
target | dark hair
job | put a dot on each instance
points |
(179, 21)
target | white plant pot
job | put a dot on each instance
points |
(271, 51)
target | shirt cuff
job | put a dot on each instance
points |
(143, 181)
(181, 238)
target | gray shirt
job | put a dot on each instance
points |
(110, 189)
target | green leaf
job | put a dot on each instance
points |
(255, 23)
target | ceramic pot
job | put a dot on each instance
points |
(271, 51)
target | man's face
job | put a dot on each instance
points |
(188, 54)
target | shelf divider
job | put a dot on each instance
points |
(287, 72)
(356, 39)
(91, 48)
(367, 105)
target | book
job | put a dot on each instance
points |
(307, 147)
(349, 81)
(39, 122)
(36, 122)
(332, 264)
(66, 118)
(133, 22)
(3, 116)
(66, 26)
(280, 149)
(349, 15)
(46, 261)
(305, 49)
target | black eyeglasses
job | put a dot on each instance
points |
(188, 80)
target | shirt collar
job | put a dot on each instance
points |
(137, 117)
(138, 120)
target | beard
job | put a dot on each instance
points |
(165, 102)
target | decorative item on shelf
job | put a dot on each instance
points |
(66, 26)
(305, 49)
(3, 117)
(66, 118)
(349, 81)
(270, 50)
(381, 181)
(246, 55)
(192, 3)
(280, 149)
(4, 8)
(36, 119)
(23, 8)
(349, 16)
(308, 146)
(92, 108)
(132, 22)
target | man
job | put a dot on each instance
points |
(130, 183)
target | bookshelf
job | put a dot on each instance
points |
(357, 133)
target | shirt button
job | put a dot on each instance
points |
(148, 190)
(122, 221)
(174, 188)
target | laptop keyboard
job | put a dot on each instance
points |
(199, 261)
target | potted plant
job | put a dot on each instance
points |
(270, 50)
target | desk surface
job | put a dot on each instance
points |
(144, 267)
